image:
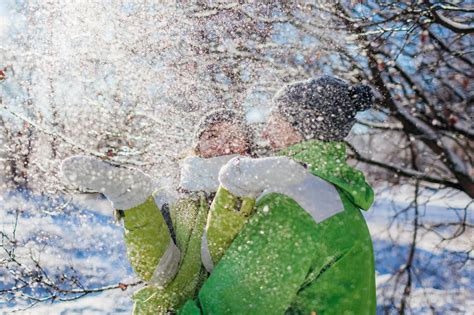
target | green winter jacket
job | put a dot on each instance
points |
(147, 241)
(283, 262)
(227, 215)
(147, 237)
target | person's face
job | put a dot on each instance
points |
(222, 139)
(280, 133)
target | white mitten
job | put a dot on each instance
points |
(315, 195)
(248, 177)
(200, 174)
(125, 188)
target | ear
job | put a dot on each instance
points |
(362, 97)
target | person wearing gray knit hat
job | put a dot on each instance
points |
(307, 248)
(322, 108)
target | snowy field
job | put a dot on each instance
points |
(87, 244)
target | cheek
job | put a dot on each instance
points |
(274, 139)
(239, 145)
(212, 147)
(205, 146)
(270, 131)
(279, 134)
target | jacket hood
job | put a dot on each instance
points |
(328, 161)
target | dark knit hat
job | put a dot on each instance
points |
(216, 117)
(323, 108)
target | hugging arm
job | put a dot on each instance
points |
(249, 177)
(265, 266)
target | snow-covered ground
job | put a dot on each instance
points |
(82, 243)
(443, 269)
(80, 238)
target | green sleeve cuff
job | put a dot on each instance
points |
(227, 216)
(147, 237)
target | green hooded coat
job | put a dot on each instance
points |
(283, 262)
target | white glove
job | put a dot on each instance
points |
(315, 195)
(199, 174)
(125, 188)
(248, 177)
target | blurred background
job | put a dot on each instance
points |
(127, 81)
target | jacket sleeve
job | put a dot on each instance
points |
(189, 219)
(150, 248)
(227, 216)
(265, 266)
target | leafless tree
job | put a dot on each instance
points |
(199, 55)
(30, 282)
(417, 55)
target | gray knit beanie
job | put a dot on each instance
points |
(322, 108)
(216, 117)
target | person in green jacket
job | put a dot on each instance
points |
(164, 246)
(307, 249)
